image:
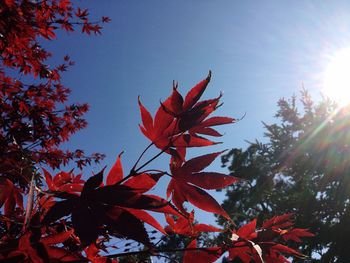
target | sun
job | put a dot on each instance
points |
(336, 79)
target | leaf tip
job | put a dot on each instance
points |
(209, 76)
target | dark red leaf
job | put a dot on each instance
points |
(187, 140)
(203, 200)
(281, 221)
(48, 179)
(58, 210)
(167, 209)
(162, 122)
(243, 253)
(148, 202)
(115, 195)
(196, 92)
(286, 250)
(26, 248)
(214, 121)
(92, 183)
(145, 217)
(201, 256)
(205, 131)
(182, 192)
(70, 188)
(86, 223)
(295, 234)
(135, 230)
(176, 102)
(61, 255)
(10, 205)
(199, 163)
(57, 238)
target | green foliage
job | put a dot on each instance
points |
(304, 168)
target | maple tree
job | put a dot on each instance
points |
(34, 118)
(69, 219)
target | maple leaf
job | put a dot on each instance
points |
(178, 121)
(26, 250)
(248, 231)
(262, 245)
(64, 182)
(92, 253)
(206, 255)
(43, 250)
(10, 196)
(295, 234)
(141, 182)
(277, 222)
(112, 206)
(59, 253)
(187, 181)
(116, 173)
(186, 226)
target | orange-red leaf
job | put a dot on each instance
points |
(143, 182)
(146, 117)
(116, 173)
(210, 180)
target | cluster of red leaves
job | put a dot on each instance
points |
(83, 216)
(264, 243)
(24, 22)
(73, 220)
(34, 119)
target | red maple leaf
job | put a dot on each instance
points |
(188, 180)
(10, 196)
(178, 121)
(186, 226)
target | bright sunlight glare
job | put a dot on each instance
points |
(336, 82)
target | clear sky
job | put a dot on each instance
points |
(258, 51)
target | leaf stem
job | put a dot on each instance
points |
(138, 160)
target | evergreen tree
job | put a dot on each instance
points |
(303, 168)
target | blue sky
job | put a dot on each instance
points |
(258, 51)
